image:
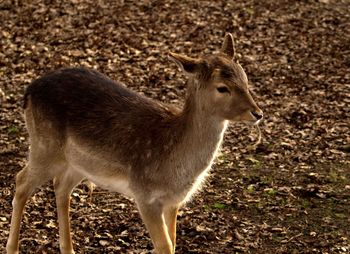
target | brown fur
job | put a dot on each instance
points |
(83, 125)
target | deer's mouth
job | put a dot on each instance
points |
(258, 115)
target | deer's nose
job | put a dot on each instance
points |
(257, 115)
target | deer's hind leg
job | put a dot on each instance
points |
(39, 170)
(64, 184)
(45, 161)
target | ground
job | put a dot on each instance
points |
(290, 194)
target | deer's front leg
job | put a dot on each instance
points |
(152, 216)
(170, 214)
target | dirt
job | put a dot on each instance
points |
(290, 194)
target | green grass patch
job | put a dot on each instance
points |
(219, 206)
(12, 130)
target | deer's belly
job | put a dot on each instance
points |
(98, 169)
(112, 183)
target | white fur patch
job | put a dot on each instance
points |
(197, 185)
(156, 195)
(112, 183)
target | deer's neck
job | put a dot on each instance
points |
(202, 139)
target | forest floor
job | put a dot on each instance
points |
(290, 194)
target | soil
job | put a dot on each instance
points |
(290, 194)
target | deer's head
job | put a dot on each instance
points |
(219, 85)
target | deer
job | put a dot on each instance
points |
(83, 125)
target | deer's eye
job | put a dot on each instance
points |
(223, 89)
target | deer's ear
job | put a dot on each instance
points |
(187, 64)
(228, 47)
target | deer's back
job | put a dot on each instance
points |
(91, 107)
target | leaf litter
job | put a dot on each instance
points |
(288, 194)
